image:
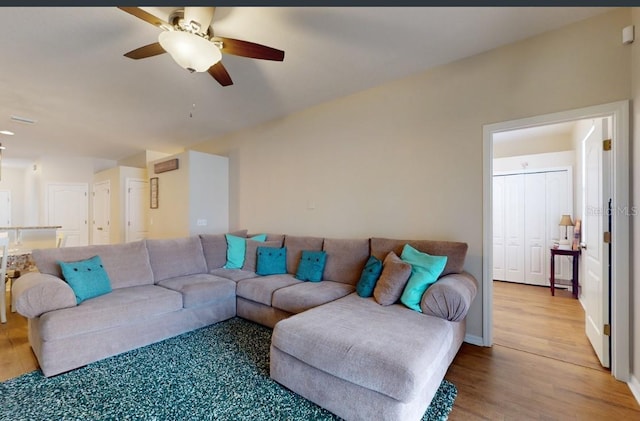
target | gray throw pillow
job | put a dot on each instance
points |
(393, 279)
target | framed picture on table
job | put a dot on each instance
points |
(577, 228)
(153, 192)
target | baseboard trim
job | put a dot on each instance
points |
(473, 340)
(634, 385)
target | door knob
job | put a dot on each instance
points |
(583, 246)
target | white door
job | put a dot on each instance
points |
(68, 206)
(5, 208)
(535, 228)
(514, 227)
(499, 272)
(101, 213)
(136, 208)
(595, 288)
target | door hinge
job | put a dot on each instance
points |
(607, 330)
(606, 145)
(607, 237)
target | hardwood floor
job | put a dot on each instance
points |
(540, 367)
(16, 357)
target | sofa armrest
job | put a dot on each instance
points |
(36, 293)
(450, 297)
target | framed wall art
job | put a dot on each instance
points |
(153, 192)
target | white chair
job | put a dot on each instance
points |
(4, 245)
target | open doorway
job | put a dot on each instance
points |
(538, 186)
(618, 319)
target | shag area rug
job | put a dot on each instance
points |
(220, 372)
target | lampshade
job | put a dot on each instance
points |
(566, 221)
(190, 51)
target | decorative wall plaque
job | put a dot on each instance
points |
(165, 166)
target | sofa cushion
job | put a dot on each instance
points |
(271, 261)
(295, 245)
(425, 270)
(345, 259)
(394, 277)
(303, 296)
(176, 257)
(369, 277)
(118, 308)
(251, 252)
(236, 249)
(455, 252)
(200, 289)
(391, 350)
(311, 265)
(126, 264)
(214, 247)
(270, 237)
(261, 289)
(87, 278)
(233, 274)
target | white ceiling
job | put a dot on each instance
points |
(64, 68)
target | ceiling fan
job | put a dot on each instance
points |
(190, 41)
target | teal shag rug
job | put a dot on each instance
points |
(220, 372)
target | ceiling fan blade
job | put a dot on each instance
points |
(146, 51)
(220, 74)
(145, 16)
(241, 48)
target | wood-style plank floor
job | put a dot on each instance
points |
(540, 368)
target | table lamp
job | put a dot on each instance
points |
(565, 222)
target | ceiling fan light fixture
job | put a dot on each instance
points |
(190, 51)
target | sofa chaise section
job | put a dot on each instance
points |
(362, 360)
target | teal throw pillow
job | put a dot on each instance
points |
(311, 266)
(369, 277)
(236, 247)
(425, 270)
(87, 278)
(271, 261)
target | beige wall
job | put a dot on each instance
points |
(635, 203)
(197, 191)
(404, 159)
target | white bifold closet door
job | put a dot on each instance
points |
(514, 227)
(526, 211)
(535, 230)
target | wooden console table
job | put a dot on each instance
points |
(575, 254)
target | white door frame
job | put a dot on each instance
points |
(127, 217)
(94, 209)
(620, 323)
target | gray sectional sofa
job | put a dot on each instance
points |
(346, 353)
